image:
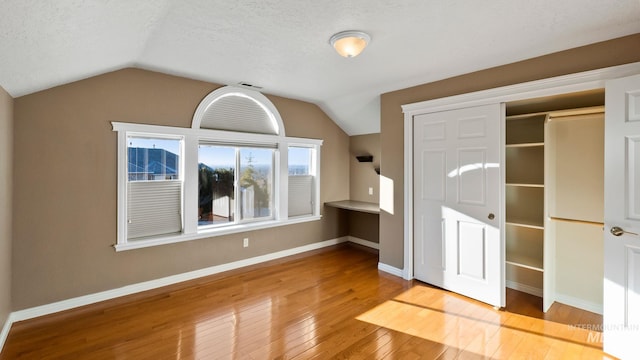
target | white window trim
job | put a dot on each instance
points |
(192, 138)
(313, 170)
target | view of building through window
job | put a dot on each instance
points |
(154, 186)
(153, 159)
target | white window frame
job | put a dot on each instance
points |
(238, 162)
(180, 171)
(314, 171)
(192, 138)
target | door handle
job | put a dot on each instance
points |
(618, 231)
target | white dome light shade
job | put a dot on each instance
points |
(350, 43)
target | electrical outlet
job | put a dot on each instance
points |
(245, 242)
(370, 191)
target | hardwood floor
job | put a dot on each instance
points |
(328, 304)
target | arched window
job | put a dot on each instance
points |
(234, 170)
(237, 109)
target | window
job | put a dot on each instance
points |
(218, 168)
(256, 183)
(216, 185)
(301, 180)
(179, 184)
(154, 186)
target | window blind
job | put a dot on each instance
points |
(238, 113)
(300, 195)
(154, 208)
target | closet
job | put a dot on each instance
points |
(556, 168)
(541, 200)
(554, 198)
(524, 202)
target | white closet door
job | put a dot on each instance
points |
(457, 243)
(622, 218)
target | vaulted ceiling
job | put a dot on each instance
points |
(282, 45)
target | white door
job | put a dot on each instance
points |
(622, 218)
(457, 211)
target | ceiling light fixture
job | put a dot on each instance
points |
(350, 43)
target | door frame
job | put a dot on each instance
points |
(583, 81)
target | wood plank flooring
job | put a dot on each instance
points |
(328, 304)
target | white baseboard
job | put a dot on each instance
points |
(560, 298)
(47, 309)
(524, 288)
(579, 303)
(5, 330)
(363, 242)
(390, 269)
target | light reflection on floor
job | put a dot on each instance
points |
(477, 328)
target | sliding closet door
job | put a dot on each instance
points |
(622, 218)
(457, 205)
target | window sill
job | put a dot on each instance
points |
(209, 233)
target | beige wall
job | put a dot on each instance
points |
(65, 189)
(364, 226)
(610, 53)
(362, 176)
(6, 155)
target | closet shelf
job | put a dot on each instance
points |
(527, 224)
(525, 261)
(525, 185)
(520, 145)
(528, 116)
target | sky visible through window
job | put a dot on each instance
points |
(170, 145)
(299, 156)
(223, 157)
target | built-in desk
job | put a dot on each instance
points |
(363, 227)
(361, 206)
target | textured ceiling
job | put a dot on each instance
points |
(282, 45)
